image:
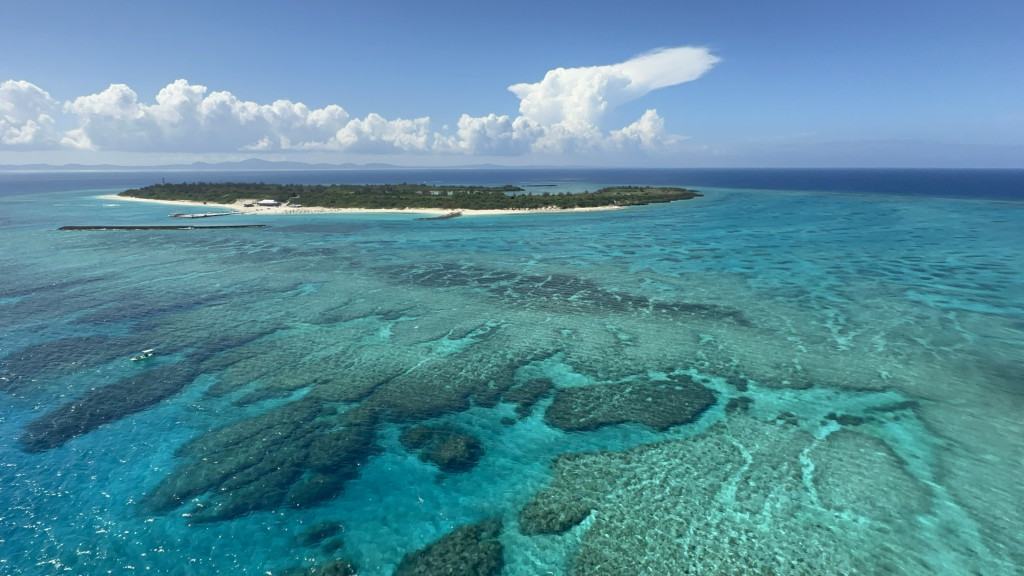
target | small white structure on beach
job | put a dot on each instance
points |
(268, 203)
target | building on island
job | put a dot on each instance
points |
(268, 203)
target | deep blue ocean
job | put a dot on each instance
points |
(800, 372)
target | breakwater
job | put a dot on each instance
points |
(177, 227)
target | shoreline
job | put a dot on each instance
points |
(239, 208)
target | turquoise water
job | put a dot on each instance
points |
(762, 380)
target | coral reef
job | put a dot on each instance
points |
(300, 454)
(859, 473)
(110, 403)
(553, 511)
(443, 447)
(737, 382)
(659, 405)
(107, 404)
(527, 394)
(740, 403)
(846, 419)
(318, 533)
(440, 386)
(346, 378)
(747, 497)
(57, 358)
(304, 452)
(560, 290)
(471, 550)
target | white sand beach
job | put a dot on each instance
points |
(241, 208)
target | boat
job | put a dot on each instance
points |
(148, 353)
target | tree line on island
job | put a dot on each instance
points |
(399, 196)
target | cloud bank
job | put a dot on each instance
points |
(563, 112)
(25, 116)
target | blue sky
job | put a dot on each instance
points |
(643, 83)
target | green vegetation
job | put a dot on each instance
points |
(377, 196)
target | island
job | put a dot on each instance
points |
(412, 197)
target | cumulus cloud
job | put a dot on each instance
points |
(25, 115)
(563, 112)
(186, 118)
(571, 102)
(375, 134)
(491, 134)
(648, 132)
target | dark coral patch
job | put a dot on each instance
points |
(846, 419)
(318, 533)
(394, 404)
(316, 487)
(447, 449)
(529, 393)
(303, 453)
(454, 387)
(660, 405)
(471, 550)
(489, 396)
(561, 290)
(738, 382)
(739, 404)
(59, 358)
(105, 405)
(570, 498)
(541, 516)
(787, 418)
(293, 454)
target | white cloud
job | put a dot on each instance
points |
(117, 102)
(665, 67)
(110, 119)
(491, 134)
(375, 134)
(571, 102)
(261, 145)
(562, 113)
(648, 132)
(185, 118)
(25, 115)
(20, 100)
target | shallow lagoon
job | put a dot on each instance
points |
(861, 353)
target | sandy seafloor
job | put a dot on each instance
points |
(752, 382)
